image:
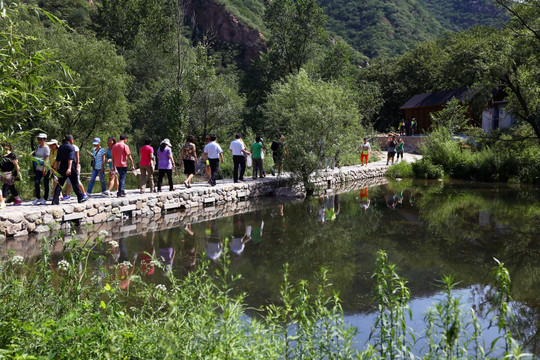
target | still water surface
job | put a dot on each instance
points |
(429, 229)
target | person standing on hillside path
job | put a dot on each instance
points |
(66, 166)
(365, 149)
(413, 126)
(256, 150)
(41, 171)
(239, 153)
(147, 165)
(98, 167)
(120, 155)
(401, 127)
(391, 145)
(213, 152)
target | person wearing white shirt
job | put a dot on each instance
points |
(239, 151)
(213, 152)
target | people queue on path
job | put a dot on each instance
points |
(61, 164)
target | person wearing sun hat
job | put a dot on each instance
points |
(98, 167)
(41, 169)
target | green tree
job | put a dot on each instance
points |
(28, 89)
(453, 117)
(319, 119)
(103, 86)
(295, 26)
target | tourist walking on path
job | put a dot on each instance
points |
(165, 164)
(239, 153)
(257, 149)
(147, 165)
(41, 170)
(98, 166)
(365, 150)
(78, 166)
(113, 176)
(66, 167)
(391, 145)
(213, 152)
(8, 163)
(53, 146)
(189, 159)
(278, 149)
(120, 155)
(400, 149)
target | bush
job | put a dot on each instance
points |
(400, 170)
(424, 168)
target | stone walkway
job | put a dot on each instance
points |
(27, 218)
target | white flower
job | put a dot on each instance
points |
(113, 243)
(135, 277)
(63, 265)
(126, 264)
(103, 234)
(154, 263)
(161, 287)
(17, 260)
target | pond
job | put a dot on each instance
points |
(428, 229)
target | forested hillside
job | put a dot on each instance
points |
(392, 27)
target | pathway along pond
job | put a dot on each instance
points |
(428, 229)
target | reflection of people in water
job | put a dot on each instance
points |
(278, 224)
(255, 231)
(147, 255)
(392, 200)
(332, 207)
(364, 199)
(214, 243)
(189, 248)
(120, 265)
(166, 251)
(240, 237)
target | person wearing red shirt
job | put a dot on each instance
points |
(146, 165)
(120, 155)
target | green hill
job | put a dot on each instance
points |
(391, 27)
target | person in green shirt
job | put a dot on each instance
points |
(257, 149)
(400, 149)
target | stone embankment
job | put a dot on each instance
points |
(20, 221)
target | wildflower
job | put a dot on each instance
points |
(17, 260)
(103, 234)
(161, 287)
(113, 243)
(154, 263)
(63, 265)
(135, 277)
(126, 264)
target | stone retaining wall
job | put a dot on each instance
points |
(27, 219)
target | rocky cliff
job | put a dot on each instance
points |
(213, 18)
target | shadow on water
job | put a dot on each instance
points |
(429, 229)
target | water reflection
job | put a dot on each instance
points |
(429, 229)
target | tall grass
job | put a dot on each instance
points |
(78, 307)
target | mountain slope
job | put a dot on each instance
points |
(391, 27)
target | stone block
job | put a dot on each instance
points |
(74, 216)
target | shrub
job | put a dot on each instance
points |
(424, 168)
(400, 170)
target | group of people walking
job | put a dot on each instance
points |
(61, 164)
